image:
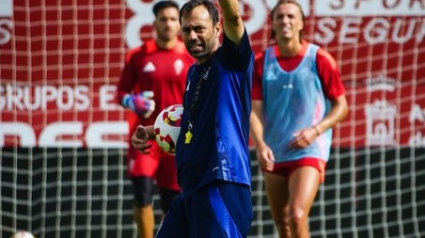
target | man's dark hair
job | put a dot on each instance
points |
(190, 5)
(162, 5)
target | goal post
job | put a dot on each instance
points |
(64, 139)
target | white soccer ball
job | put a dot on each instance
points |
(22, 234)
(167, 127)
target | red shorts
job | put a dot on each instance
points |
(158, 165)
(287, 168)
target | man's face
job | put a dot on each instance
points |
(287, 21)
(167, 24)
(199, 34)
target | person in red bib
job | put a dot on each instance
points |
(153, 78)
(298, 96)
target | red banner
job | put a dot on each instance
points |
(59, 64)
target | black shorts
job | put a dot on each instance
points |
(144, 189)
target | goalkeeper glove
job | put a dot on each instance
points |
(142, 103)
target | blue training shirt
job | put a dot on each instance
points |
(219, 147)
(294, 101)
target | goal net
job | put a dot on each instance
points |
(63, 139)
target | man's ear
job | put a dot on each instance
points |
(218, 29)
(154, 24)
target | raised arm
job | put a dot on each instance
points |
(232, 20)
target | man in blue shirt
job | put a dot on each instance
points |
(212, 150)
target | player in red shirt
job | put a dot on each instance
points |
(298, 96)
(153, 78)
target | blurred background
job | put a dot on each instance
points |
(63, 138)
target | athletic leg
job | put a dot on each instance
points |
(278, 197)
(142, 170)
(143, 188)
(166, 179)
(291, 190)
(303, 186)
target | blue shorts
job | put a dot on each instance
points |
(219, 210)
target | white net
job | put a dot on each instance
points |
(62, 165)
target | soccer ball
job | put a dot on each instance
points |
(22, 234)
(167, 127)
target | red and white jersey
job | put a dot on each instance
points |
(149, 68)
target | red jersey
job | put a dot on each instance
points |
(327, 70)
(149, 68)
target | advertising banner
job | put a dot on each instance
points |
(60, 61)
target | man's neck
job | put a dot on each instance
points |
(166, 45)
(210, 55)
